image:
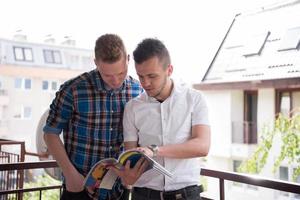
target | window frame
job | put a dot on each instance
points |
(55, 56)
(23, 54)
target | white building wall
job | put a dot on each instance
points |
(220, 121)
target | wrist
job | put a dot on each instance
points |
(154, 148)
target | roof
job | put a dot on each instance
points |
(259, 47)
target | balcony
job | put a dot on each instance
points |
(13, 170)
(222, 176)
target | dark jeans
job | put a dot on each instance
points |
(83, 195)
(187, 193)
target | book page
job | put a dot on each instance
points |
(135, 155)
(108, 180)
(99, 171)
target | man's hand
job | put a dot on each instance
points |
(146, 151)
(130, 175)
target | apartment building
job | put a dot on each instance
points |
(254, 75)
(30, 74)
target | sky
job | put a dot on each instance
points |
(191, 29)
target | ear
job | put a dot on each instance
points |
(170, 69)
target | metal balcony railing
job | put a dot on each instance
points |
(221, 175)
(11, 179)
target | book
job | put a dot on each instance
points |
(100, 177)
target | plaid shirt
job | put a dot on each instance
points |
(90, 117)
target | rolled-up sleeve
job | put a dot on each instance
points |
(60, 111)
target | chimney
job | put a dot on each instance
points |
(19, 36)
(49, 39)
(68, 41)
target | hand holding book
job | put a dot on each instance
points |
(105, 172)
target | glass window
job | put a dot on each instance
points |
(295, 99)
(255, 44)
(52, 56)
(23, 54)
(54, 85)
(283, 173)
(48, 56)
(27, 112)
(18, 53)
(28, 54)
(56, 57)
(291, 39)
(236, 164)
(45, 85)
(18, 83)
(27, 84)
(285, 105)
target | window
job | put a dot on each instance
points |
(23, 112)
(23, 83)
(255, 44)
(285, 174)
(291, 39)
(18, 83)
(26, 112)
(287, 101)
(54, 85)
(27, 84)
(52, 56)
(45, 85)
(250, 117)
(49, 85)
(23, 54)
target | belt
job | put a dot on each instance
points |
(186, 192)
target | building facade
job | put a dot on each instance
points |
(254, 75)
(30, 74)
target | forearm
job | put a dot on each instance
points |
(190, 149)
(56, 148)
(197, 146)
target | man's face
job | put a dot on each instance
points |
(113, 74)
(153, 76)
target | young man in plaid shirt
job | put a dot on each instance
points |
(88, 109)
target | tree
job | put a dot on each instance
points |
(288, 129)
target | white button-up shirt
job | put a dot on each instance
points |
(148, 121)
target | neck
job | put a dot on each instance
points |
(166, 92)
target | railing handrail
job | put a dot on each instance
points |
(24, 190)
(28, 165)
(219, 174)
(253, 180)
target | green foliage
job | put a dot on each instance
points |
(43, 180)
(288, 128)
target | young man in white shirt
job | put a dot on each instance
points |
(168, 122)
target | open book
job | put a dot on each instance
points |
(101, 177)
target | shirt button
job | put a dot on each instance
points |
(111, 129)
(110, 147)
(112, 111)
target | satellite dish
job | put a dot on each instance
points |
(42, 149)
